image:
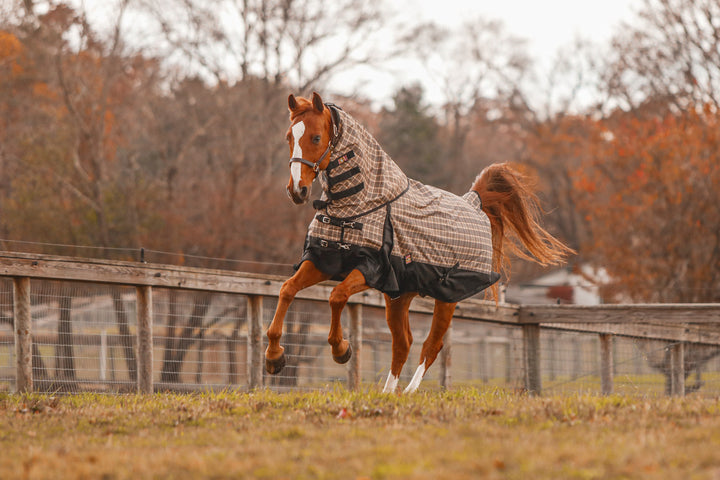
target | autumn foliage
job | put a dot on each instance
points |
(651, 200)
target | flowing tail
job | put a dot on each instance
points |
(509, 200)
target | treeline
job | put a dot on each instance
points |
(163, 127)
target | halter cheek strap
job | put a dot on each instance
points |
(331, 144)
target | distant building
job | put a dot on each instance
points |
(569, 286)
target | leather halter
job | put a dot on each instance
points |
(335, 120)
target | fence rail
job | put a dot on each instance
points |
(526, 345)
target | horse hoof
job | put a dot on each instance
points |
(345, 357)
(274, 367)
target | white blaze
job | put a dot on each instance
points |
(298, 130)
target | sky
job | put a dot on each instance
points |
(546, 25)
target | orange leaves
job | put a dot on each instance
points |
(585, 184)
(651, 219)
(10, 52)
(44, 91)
(10, 46)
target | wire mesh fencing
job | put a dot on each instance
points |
(84, 338)
(572, 363)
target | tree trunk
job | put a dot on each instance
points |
(171, 370)
(126, 337)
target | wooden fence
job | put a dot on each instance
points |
(679, 324)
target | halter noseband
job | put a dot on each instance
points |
(331, 144)
(315, 166)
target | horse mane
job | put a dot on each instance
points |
(509, 200)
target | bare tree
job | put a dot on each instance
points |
(299, 43)
(477, 64)
(670, 55)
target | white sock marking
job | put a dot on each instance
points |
(298, 130)
(417, 378)
(391, 383)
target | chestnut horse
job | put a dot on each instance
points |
(506, 203)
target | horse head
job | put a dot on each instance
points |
(310, 138)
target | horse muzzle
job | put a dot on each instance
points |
(299, 196)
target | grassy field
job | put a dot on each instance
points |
(464, 433)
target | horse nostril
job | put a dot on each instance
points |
(303, 192)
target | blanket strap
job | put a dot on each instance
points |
(320, 204)
(332, 181)
(347, 192)
(339, 161)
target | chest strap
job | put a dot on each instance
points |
(338, 222)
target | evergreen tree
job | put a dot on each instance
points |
(410, 135)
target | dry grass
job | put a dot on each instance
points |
(465, 433)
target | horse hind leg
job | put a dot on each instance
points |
(398, 320)
(442, 316)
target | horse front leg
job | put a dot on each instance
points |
(442, 316)
(306, 276)
(353, 283)
(398, 320)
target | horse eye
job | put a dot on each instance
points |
(316, 139)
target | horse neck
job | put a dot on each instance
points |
(382, 178)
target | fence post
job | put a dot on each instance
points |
(531, 358)
(446, 360)
(23, 334)
(354, 367)
(606, 363)
(145, 338)
(255, 350)
(103, 354)
(483, 347)
(677, 369)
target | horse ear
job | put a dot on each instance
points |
(317, 102)
(292, 103)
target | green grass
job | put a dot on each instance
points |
(463, 433)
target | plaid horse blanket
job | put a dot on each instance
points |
(402, 235)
